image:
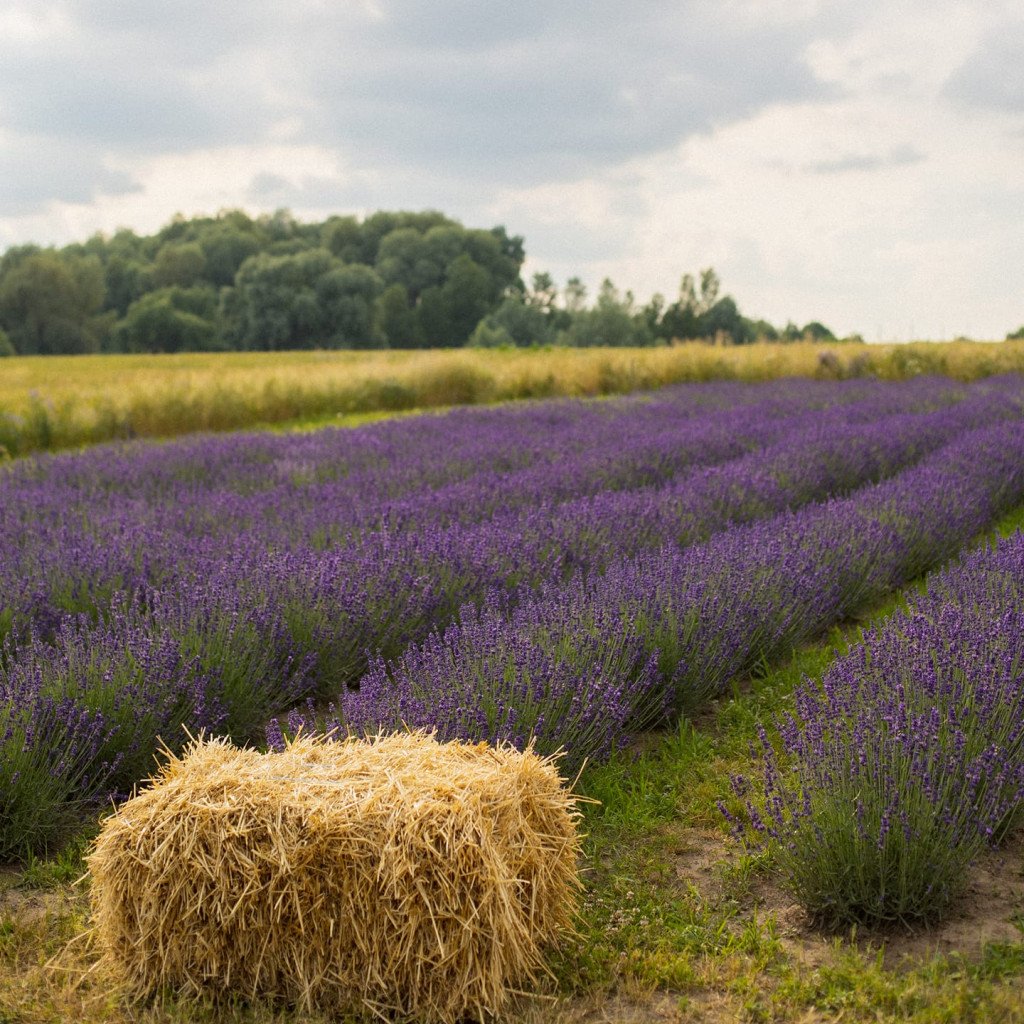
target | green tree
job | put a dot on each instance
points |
(488, 334)
(723, 319)
(612, 321)
(51, 304)
(652, 314)
(343, 236)
(451, 277)
(125, 281)
(396, 320)
(6, 346)
(182, 264)
(275, 304)
(346, 295)
(815, 331)
(449, 313)
(171, 320)
(225, 247)
(762, 330)
(379, 225)
(517, 321)
(1017, 335)
(684, 318)
(575, 296)
(406, 257)
(501, 255)
(468, 294)
(543, 293)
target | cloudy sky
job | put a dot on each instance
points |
(860, 162)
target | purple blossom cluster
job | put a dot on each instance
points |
(559, 570)
(908, 757)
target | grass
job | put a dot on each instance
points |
(679, 921)
(54, 402)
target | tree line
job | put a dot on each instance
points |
(391, 280)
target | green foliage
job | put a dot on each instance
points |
(64, 868)
(6, 346)
(225, 247)
(171, 320)
(815, 331)
(346, 295)
(612, 322)
(181, 264)
(396, 319)
(50, 303)
(723, 320)
(517, 321)
(276, 305)
(762, 330)
(699, 313)
(1017, 335)
(490, 334)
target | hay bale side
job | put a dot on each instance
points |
(397, 875)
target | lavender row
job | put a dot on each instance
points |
(908, 758)
(829, 456)
(336, 606)
(580, 665)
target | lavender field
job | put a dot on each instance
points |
(567, 571)
(591, 577)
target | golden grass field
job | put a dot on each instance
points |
(51, 402)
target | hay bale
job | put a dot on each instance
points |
(397, 876)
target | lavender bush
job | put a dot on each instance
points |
(497, 678)
(908, 758)
(50, 769)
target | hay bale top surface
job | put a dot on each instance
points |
(396, 875)
(310, 771)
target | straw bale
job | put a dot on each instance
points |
(395, 876)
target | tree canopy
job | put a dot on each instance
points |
(392, 280)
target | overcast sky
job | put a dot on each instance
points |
(859, 162)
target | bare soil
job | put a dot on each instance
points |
(990, 910)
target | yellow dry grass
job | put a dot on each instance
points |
(62, 401)
(396, 876)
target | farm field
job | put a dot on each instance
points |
(755, 616)
(54, 402)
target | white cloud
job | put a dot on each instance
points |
(918, 235)
(203, 181)
(855, 163)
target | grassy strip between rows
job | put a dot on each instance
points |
(54, 402)
(679, 921)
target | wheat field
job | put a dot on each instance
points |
(54, 402)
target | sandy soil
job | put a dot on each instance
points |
(992, 901)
